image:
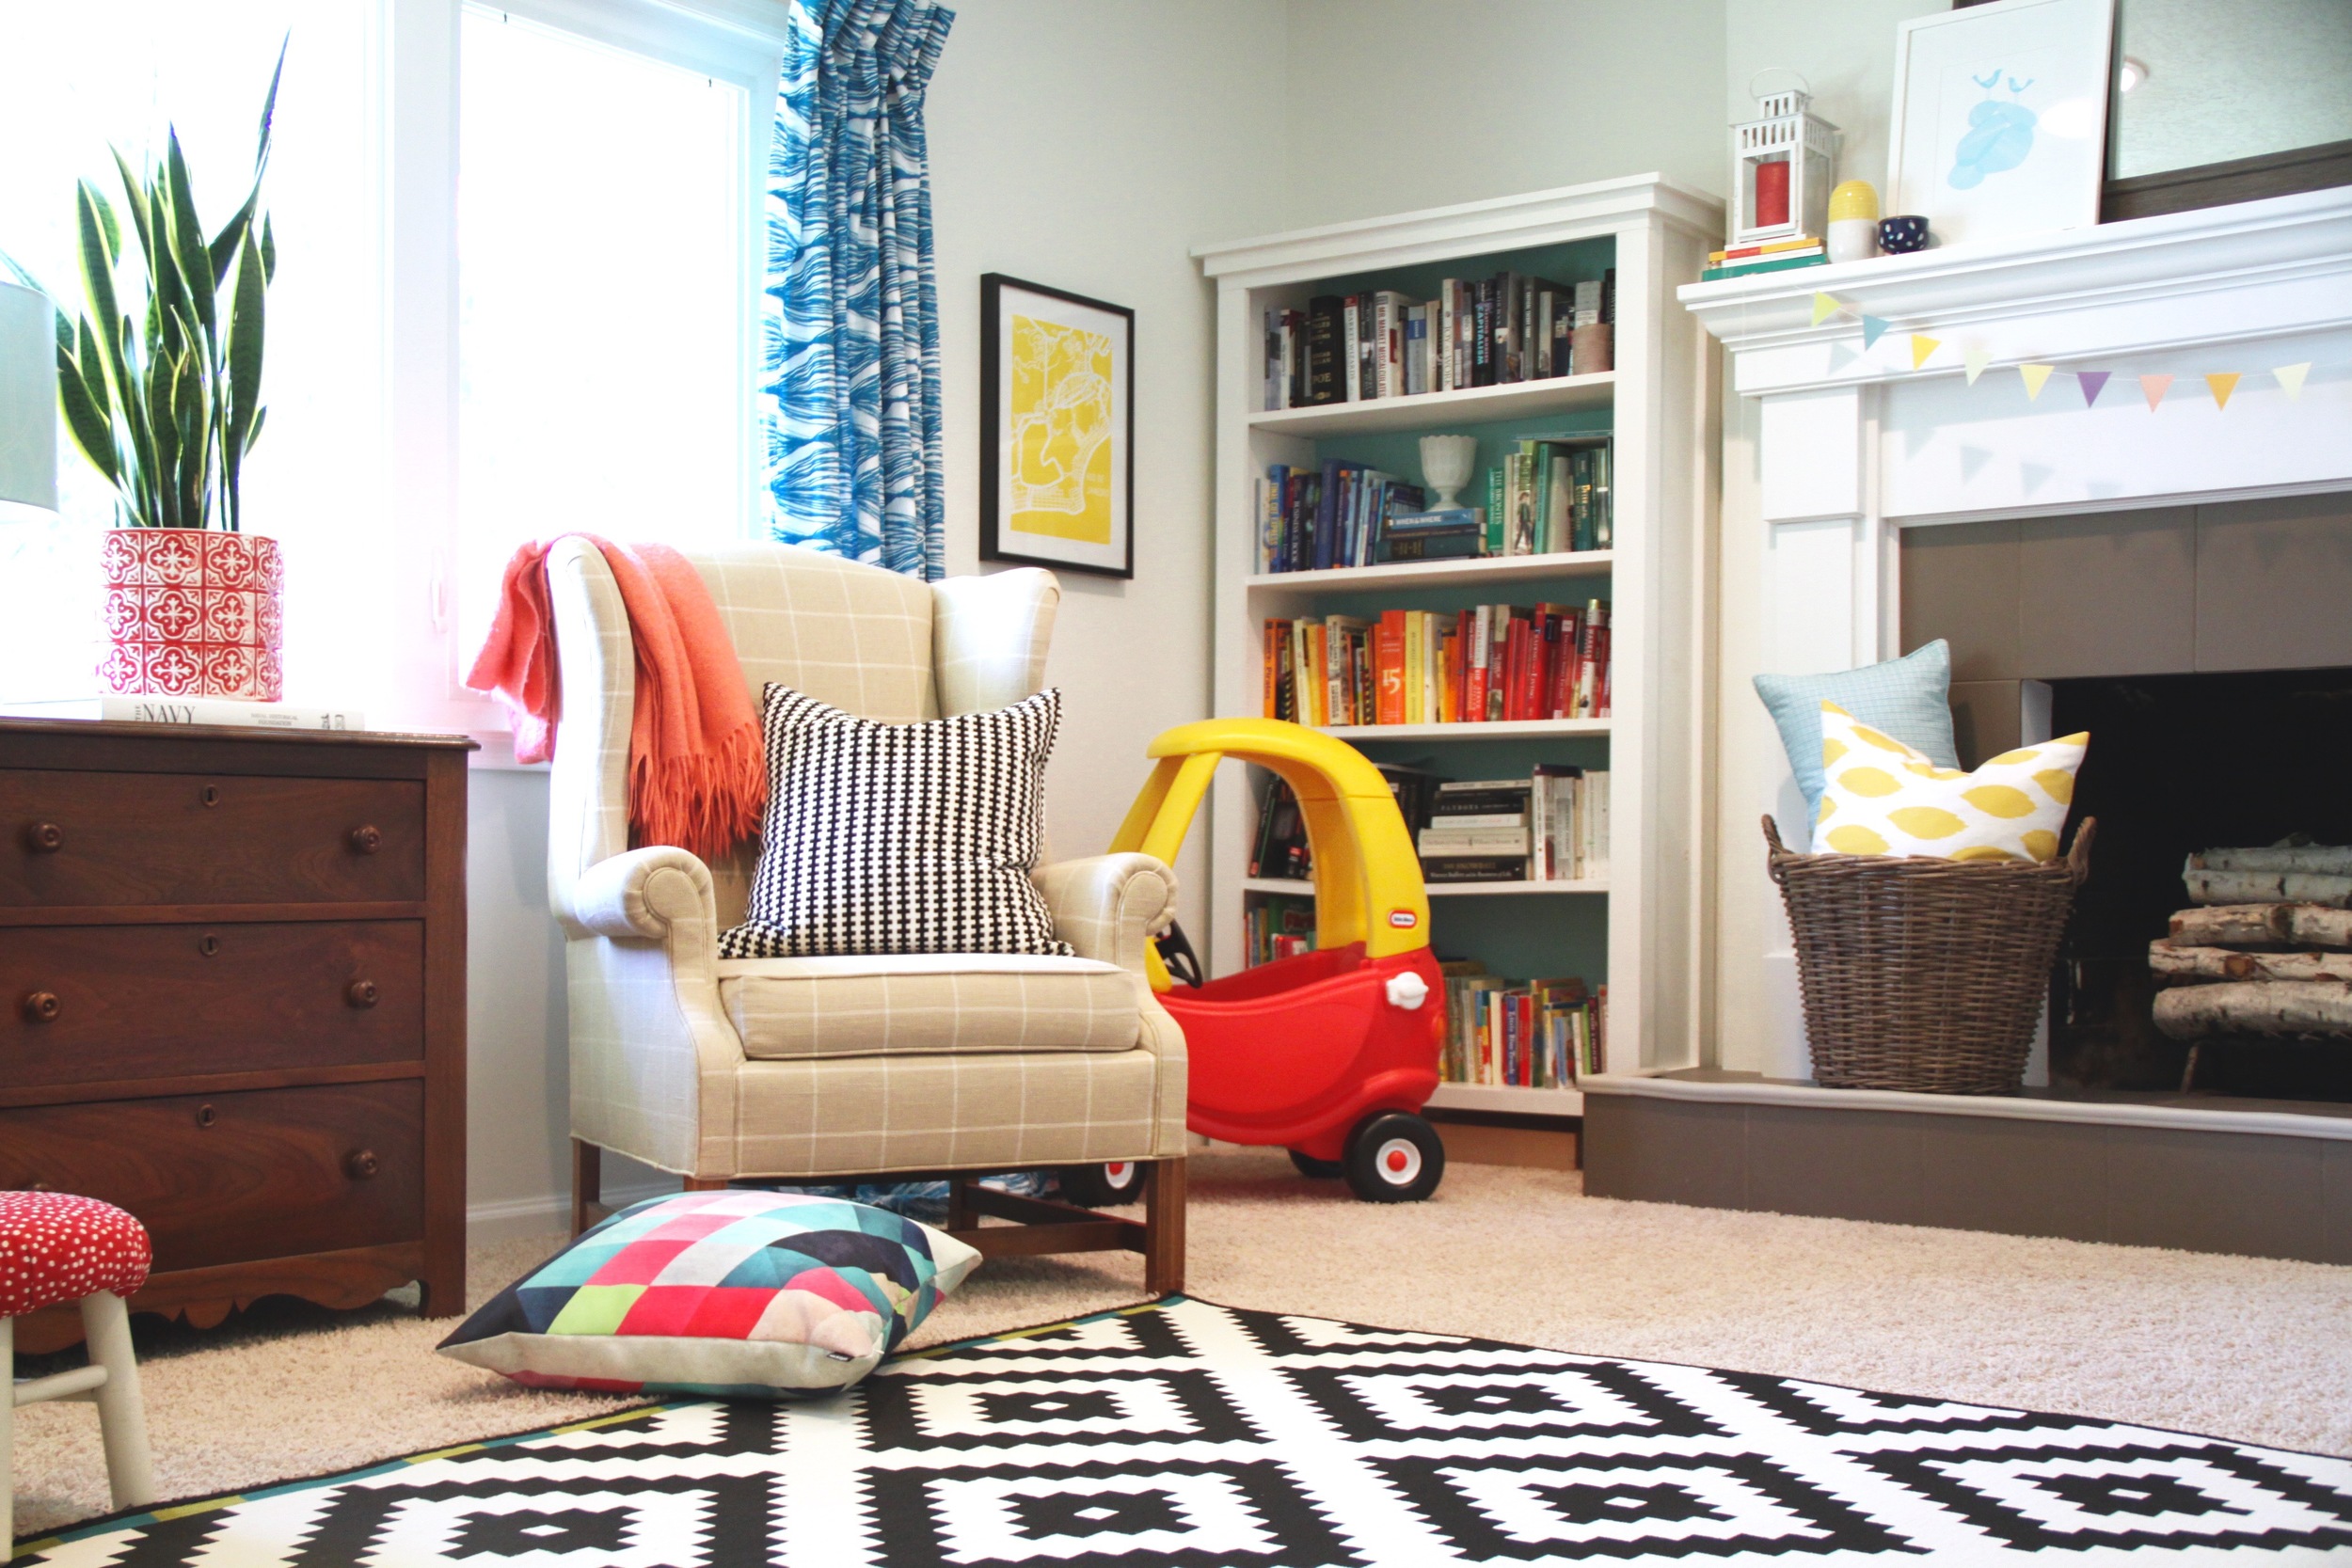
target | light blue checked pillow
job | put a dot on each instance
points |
(1909, 698)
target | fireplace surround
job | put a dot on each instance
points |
(1838, 452)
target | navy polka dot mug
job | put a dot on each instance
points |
(1903, 233)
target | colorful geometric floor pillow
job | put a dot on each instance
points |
(1883, 797)
(731, 1293)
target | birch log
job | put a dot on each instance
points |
(2255, 1008)
(2255, 887)
(2234, 926)
(2333, 859)
(2186, 965)
(2311, 926)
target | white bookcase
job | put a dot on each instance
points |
(1642, 931)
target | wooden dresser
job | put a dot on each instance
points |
(232, 1000)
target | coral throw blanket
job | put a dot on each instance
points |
(697, 769)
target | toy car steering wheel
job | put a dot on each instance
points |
(1177, 954)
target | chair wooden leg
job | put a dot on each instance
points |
(1163, 1228)
(121, 1412)
(8, 1444)
(959, 1214)
(587, 1182)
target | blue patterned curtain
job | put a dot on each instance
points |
(852, 329)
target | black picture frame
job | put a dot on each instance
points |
(999, 541)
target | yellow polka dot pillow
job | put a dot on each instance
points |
(1882, 797)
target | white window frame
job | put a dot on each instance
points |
(740, 42)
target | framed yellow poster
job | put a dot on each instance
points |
(1057, 416)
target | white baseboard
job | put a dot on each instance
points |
(549, 1214)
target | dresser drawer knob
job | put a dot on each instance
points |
(361, 1163)
(43, 1007)
(206, 1116)
(361, 994)
(43, 838)
(366, 840)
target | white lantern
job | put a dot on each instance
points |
(1782, 168)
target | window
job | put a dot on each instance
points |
(515, 295)
(607, 289)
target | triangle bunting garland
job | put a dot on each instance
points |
(1976, 359)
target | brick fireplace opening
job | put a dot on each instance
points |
(2208, 651)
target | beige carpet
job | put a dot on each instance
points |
(2241, 1348)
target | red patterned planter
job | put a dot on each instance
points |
(193, 613)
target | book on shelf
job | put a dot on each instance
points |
(1477, 332)
(1553, 494)
(190, 711)
(1547, 495)
(1279, 926)
(1313, 519)
(1552, 826)
(1546, 1033)
(1280, 851)
(1439, 869)
(1491, 664)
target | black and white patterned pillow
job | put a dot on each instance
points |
(900, 838)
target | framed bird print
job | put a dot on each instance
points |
(2000, 119)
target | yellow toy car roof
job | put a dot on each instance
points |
(1368, 884)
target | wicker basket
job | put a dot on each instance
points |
(1924, 974)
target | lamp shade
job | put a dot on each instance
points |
(29, 398)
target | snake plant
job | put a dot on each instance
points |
(164, 396)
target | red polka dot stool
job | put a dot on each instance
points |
(54, 1248)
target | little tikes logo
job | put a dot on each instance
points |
(1404, 920)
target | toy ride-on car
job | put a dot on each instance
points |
(1332, 1053)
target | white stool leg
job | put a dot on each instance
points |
(121, 1414)
(8, 1440)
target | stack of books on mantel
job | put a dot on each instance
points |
(1803, 250)
(1552, 826)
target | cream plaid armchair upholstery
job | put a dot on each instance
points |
(849, 1067)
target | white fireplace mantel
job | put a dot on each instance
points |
(1855, 444)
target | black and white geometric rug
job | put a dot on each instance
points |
(1188, 1436)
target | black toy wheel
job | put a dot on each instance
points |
(1322, 1170)
(1394, 1158)
(1104, 1186)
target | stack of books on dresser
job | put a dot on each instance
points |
(218, 711)
(1477, 332)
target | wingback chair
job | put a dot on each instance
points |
(820, 1069)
